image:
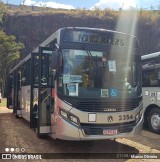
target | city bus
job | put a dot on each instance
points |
(80, 84)
(151, 90)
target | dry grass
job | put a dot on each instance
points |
(3, 102)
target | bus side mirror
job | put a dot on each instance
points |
(54, 64)
(54, 59)
(53, 73)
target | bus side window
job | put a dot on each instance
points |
(145, 79)
(154, 77)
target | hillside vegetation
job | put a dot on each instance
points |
(32, 27)
(9, 50)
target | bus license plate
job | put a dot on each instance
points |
(110, 131)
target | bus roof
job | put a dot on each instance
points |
(150, 56)
(53, 36)
(98, 29)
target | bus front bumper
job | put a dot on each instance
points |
(67, 131)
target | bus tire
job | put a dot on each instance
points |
(154, 120)
(16, 116)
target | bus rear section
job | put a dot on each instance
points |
(78, 86)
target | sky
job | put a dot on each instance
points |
(89, 4)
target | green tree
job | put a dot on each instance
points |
(3, 9)
(9, 50)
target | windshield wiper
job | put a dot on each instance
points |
(90, 55)
(94, 63)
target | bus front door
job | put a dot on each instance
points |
(44, 91)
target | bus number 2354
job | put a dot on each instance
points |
(125, 117)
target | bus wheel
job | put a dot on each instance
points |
(16, 116)
(154, 120)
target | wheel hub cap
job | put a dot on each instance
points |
(155, 121)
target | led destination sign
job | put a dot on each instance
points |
(95, 38)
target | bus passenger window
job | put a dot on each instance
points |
(153, 79)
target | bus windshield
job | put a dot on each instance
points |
(96, 74)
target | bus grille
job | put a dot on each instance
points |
(97, 129)
(106, 106)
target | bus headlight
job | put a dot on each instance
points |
(63, 113)
(138, 117)
(73, 119)
(69, 117)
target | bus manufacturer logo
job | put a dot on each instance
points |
(110, 110)
(110, 119)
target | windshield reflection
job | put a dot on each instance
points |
(97, 75)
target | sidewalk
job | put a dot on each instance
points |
(3, 108)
